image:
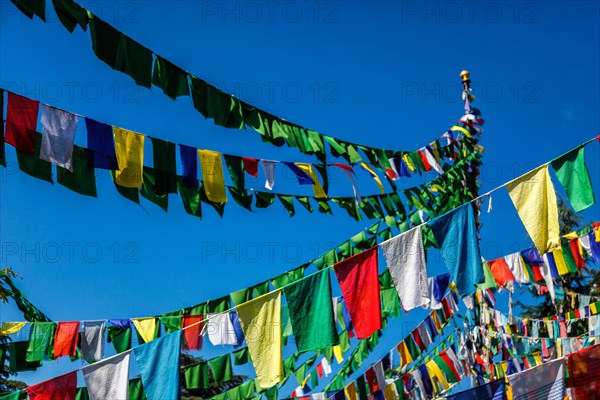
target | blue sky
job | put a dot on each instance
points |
(384, 74)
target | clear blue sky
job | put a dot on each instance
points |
(379, 73)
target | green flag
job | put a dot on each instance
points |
(196, 376)
(32, 165)
(165, 167)
(573, 175)
(120, 338)
(170, 78)
(221, 368)
(82, 180)
(149, 191)
(40, 338)
(311, 314)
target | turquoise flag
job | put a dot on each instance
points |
(456, 234)
(158, 362)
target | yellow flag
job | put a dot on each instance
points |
(337, 352)
(461, 129)
(373, 175)
(559, 260)
(389, 393)
(405, 357)
(146, 327)
(350, 391)
(319, 191)
(212, 175)
(535, 200)
(408, 162)
(435, 371)
(538, 359)
(129, 147)
(8, 328)
(260, 319)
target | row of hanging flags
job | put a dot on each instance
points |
(147, 68)
(313, 322)
(121, 151)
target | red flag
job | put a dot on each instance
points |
(418, 340)
(21, 121)
(425, 162)
(320, 370)
(583, 366)
(372, 380)
(63, 387)
(501, 272)
(251, 166)
(574, 245)
(65, 339)
(449, 363)
(193, 340)
(359, 282)
(537, 273)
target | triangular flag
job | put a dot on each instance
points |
(63, 387)
(158, 362)
(456, 233)
(573, 174)
(146, 328)
(108, 378)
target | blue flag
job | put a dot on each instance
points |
(101, 145)
(158, 363)
(456, 233)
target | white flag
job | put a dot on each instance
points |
(269, 171)
(108, 378)
(405, 257)
(59, 135)
(220, 329)
(92, 340)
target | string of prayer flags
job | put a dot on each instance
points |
(534, 198)
(108, 378)
(405, 258)
(456, 233)
(359, 283)
(573, 175)
(62, 387)
(212, 175)
(130, 156)
(158, 363)
(311, 314)
(260, 319)
(65, 339)
(59, 136)
(21, 122)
